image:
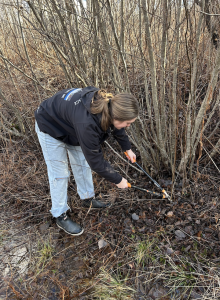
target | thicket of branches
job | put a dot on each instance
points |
(164, 52)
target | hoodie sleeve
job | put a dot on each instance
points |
(122, 138)
(89, 141)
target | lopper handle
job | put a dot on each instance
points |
(129, 185)
(129, 156)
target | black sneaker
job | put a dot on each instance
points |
(65, 223)
(94, 203)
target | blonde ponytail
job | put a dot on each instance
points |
(122, 107)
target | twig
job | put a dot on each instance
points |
(205, 13)
(211, 159)
(123, 171)
(123, 158)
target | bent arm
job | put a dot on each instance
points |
(89, 141)
(122, 138)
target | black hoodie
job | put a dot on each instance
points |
(66, 116)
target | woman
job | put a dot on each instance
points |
(78, 121)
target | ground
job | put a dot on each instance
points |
(154, 248)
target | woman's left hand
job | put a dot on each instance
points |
(132, 156)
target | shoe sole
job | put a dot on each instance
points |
(74, 234)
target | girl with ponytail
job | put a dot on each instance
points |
(77, 122)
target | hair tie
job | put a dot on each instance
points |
(109, 101)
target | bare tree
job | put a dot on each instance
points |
(157, 50)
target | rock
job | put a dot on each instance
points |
(198, 222)
(169, 251)
(177, 223)
(157, 292)
(187, 248)
(188, 229)
(163, 211)
(44, 227)
(102, 243)
(195, 295)
(167, 182)
(135, 217)
(149, 222)
(76, 258)
(180, 234)
(189, 218)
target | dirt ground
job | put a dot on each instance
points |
(40, 261)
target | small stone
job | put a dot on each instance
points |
(168, 182)
(135, 217)
(180, 234)
(189, 218)
(44, 227)
(102, 243)
(76, 258)
(177, 223)
(80, 275)
(197, 221)
(195, 295)
(157, 292)
(187, 248)
(169, 251)
(188, 229)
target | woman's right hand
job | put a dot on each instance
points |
(123, 184)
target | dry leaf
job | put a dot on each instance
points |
(143, 215)
(170, 214)
(131, 265)
(199, 235)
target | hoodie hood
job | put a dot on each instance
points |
(87, 94)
